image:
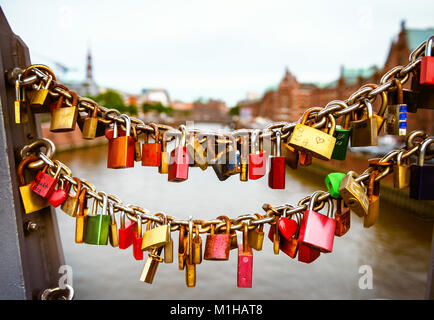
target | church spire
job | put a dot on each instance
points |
(89, 71)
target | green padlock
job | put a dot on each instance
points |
(333, 181)
(342, 135)
(98, 225)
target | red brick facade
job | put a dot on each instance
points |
(291, 98)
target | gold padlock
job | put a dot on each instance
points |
(374, 201)
(354, 194)
(365, 130)
(31, 201)
(155, 237)
(256, 236)
(308, 139)
(65, 118)
(70, 205)
(197, 247)
(190, 267)
(81, 218)
(197, 152)
(151, 265)
(90, 124)
(401, 172)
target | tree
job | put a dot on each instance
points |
(113, 100)
(157, 107)
(235, 111)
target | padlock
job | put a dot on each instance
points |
(343, 218)
(307, 254)
(232, 163)
(20, 105)
(178, 165)
(401, 172)
(121, 153)
(291, 154)
(276, 176)
(151, 265)
(365, 131)
(374, 200)
(90, 124)
(81, 217)
(218, 160)
(217, 246)
(427, 65)
(287, 227)
(197, 154)
(156, 237)
(44, 184)
(342, 135)
(419, 97)
(182, 248)
(234, 240)
(305, 159)
(137, 145)
(165, 156)
(138, 238)
(290, 246)
(257, 159)
(64, 117)
(190, 267)
(333, 182)
(40, 96)
(396, 113)
(151, 152)
(59, 195)
(422, 175)
(113, 228)
(244, 158)
(97, 226)
(197, 247)
(101, 123)
(31, 201)
(168, 247)
(256, 236)
(316, 229)
(273, 235)
(126, 232)
(70, 206)
(318, 143)
(354, 194)
(245, 261)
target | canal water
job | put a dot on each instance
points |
(396, 249)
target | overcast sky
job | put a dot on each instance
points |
(219, 49)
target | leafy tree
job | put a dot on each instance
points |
(157, 107)
(235, 111)
(113, 100)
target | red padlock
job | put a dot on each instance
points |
(121, 149)
(343, 218)
(217, 246)
(287, 246)
(151, 152)
(318, 230)
(307, 254)
(245, 261)
(126, 232)
(59, 195)
(44, 184)
(138, 239)
(427, 65)
(305, 159)
(257, 160)
(276, 176)
(110, 134)
(178, 165)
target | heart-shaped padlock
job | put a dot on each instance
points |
(287, 227)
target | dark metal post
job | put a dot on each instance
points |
(29, 261)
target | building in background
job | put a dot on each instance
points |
(88, 87)
(288, 100)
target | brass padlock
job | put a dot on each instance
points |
(256, 236)
(64, 119)
(374, 200)
(168, 247)
(308, 139)
(354, 194)
(401, 172)
(90, 124)
(151, 265)
(70, 206)
(365, 131)
(31, 201)
(81, 218)
(182, 248)
(196, 152)
(190, 267)
(197, 247)
(156, 237)
(113, 229)
(39, 97)
(165, 155)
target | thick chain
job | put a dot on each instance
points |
(335, 108)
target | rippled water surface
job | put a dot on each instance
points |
(397, 247)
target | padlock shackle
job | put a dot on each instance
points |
(156, 132)
(228, 223)
(428, 47)
(368, 107)
(255, 139)
(278, 141)
(245, 237)
(23, 164)
(313, 199)
(82, 202)
(127, 124)
(423, 146)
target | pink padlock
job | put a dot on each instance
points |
(245, 261)
(318, 230)
(178, 165)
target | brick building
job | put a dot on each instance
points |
(288, 100)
